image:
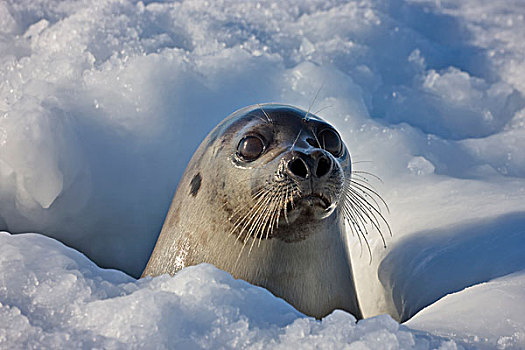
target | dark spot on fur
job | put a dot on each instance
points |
(195, 184)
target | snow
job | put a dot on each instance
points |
(489, 315)
(466, 255)
(103, 102)
(65, 301)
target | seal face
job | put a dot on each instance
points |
(264, 199)
(297, 163)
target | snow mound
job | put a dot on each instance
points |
(485, 316)
(54, 297)
(425, 267)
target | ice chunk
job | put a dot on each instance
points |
(420, 166)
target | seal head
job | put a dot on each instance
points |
(262, 198)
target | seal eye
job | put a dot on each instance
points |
(330, 141)
(250, 147)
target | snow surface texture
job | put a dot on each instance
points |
(103, 102)
(66, 301)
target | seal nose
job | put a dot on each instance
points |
(323, 165)
(297, 167)
(317, 164)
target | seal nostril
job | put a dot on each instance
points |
(323, 166)
(298, 167)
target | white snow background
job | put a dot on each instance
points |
(103, 102)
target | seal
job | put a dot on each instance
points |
(265, 197)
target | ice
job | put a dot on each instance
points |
(102, 104)
(420, 166)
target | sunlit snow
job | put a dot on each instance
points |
(103, 102)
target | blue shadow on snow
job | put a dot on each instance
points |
(431, 264)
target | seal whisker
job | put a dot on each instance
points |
(286, 196)
(322, 109)
(282, 203)
(358, 172)
(359, 177)
(363, 207)
(275, 210)
(259, 224)
(265, 114)
(361, 231)
(291, 190)
(278, 204)
(375, 209)
(254, 215)
(244, 220)
(297, 138)
(260, 215)
(256, 222)
(276, 214)
(268, 223)
(367, 192)
(359, 223)
(248, 220)
(370, 212)
(289, 199)
(361, 217)
(317, 139)
(259, 196)
(247, 237)
(355, 208)
(259, 219)
(312, 103)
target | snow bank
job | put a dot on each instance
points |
(103, 102)
(442, 262)
(54, 297)
(485, 316)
